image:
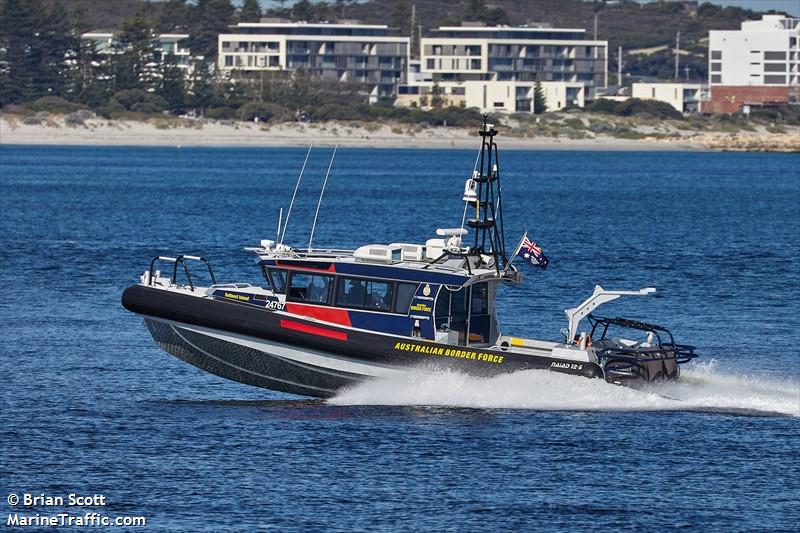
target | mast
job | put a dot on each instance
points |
(487, 202)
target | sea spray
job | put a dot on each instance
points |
(701, 388)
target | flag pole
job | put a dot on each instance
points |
(516, 251)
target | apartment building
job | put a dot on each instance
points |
(473, 52)
(685, 97)
(756, 65)
(493, 96)
(373, 55)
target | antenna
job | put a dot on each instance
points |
(319, 202)
(488, 221)
(296, 186)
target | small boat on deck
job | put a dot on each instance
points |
(325, 319)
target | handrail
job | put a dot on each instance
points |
(180, 260)
(202, 260)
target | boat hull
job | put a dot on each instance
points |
(293, 354)
(266, 366)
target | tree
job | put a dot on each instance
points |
(201, 89)
(172, 16)
(172, 87)
(303, 10)
(209, 19)
(133, 63)
(20, 49)
(475, 10)
(401, 17)
(91, 82)
(436, 96)
(250, 11)
(539, 100)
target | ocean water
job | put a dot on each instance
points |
(92, 406)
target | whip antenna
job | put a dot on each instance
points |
(296, 186)
(319, 202)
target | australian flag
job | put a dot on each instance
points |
(530, 252)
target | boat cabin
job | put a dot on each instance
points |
(397, 289)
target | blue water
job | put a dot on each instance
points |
(91, 405)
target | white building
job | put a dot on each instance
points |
(374, 55)
(493, 96)
(525, 54)
(764, 53)
(685, 97)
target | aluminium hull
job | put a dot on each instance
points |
(293, 354)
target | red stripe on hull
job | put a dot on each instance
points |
(314, 330)
(326, 314)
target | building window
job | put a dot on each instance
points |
(499, 104)
(774, 67)
(716, 67)
(775, 80)
(716, 54)
(475, 64)
(775, 56)
(430, 64)
(716, 78)
(228, 61)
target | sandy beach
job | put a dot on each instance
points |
(209, 133)
(54, 131)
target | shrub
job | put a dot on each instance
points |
(140, 101)
(220, 113)
(54, 104)
(602, 105)
(263, 111)
(15, 109)
(37, 119)
(655, 108)
(78, 118)
(111, 109)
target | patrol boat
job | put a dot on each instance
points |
(324, 319)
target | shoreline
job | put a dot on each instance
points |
(188, 133)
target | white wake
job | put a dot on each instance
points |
(701, 388)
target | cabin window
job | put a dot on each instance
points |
(465, 311)
(365, 294)
(480, 322)
(405, 293)
(276, 279)
(451, 312)
(310, 288)
(480, 299)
